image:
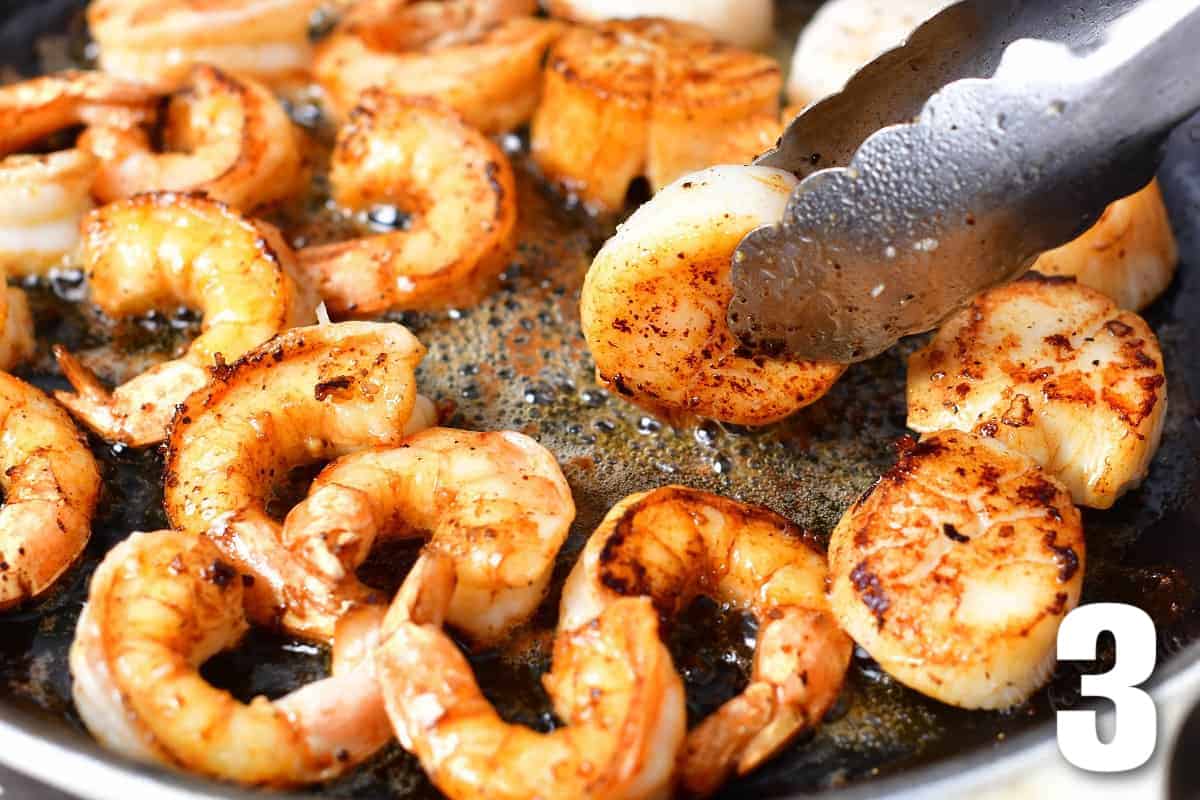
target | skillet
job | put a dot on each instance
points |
(518, 361)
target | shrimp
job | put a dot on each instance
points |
(746, 23)
(483, 58)
(163, 249)
(159, 606)
(956, 568)
(50, 483)
(32, 110)
(160, 42)
(1052, 369)
(44, 197)
(226, 137)
(495, 502)
(655, 298)
(643, 97)
(418, 154)
(844, 35)
(308, 395)
(612, 682)
(673, 544)
(1130, 254)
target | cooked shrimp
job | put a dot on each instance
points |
(162, 250)
(42, 201)
(654, 304)
(308, 395)
(419, 155)
(643, 97)
(612, 682)
(844, 35)
(497, 503)
(160, 40)
(483, 58)
(1052, 369)
(50, 484)
(159, 606)
(43, 197)
(956, 568)
(32, 110)
(17, 343)
(1129, 254)
(226, 137)
(673, 544)
(746, 23)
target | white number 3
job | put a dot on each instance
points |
(1135, 729)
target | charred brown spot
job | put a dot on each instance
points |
(1118, 328)
(1019, 412)
(988, 430)
(953, 535)
(1058, 340)
(1042, 493)
(869, 588)
(336, 388)
(1065, 555)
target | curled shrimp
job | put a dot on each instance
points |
(226, 137)
(160, 40)
(643, 97)
(844, 35)
(483, 58)
(673, 544)
(1130, 254)
(497, 503)
(44, 197)
(655, 299)
(308, 395)
(746, 23)
(159, 606)
(419, 155)
(1053, 369)
(50, 484)
(164, 249)
(32, 110)
(612, 682)
(955, 569)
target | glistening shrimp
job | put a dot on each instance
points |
(163, 250)
(612, 682)
(420, 156)
(497, 503)
(308, 395)
(159, 606)
(673, 544)
(50, 483)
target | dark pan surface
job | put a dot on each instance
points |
(518, 361)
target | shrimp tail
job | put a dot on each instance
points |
(91, 402)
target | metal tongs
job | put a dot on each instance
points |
(999, 130)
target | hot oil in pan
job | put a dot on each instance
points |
(518, 361)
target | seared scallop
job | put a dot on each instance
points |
(956, 568)
(1129, 254)
(1052, 369)
(746, 23)
(645, 97)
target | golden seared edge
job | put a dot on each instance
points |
(956, 568)
(1053, 369)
